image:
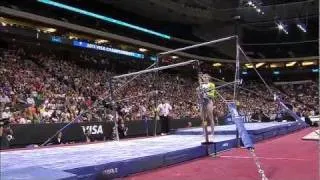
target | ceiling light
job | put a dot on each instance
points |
(249, 65)
(142, 50)
(259, 65)
(49, 30)
(307, 63)
(250, 3)
(3, 24)
(216, 64)
(258, 10)
(291, 64)
(101, 41)
(275, 65)
(174, 57)
(73, 37)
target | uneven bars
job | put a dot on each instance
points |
(154, 69)
(239, 87)
(135, 77)
(223, 99)
(226, 84)
(197, 45)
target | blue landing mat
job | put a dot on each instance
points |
(119, 159)
(257, 131)
(36, 173)
(110, 159)
(252, 128)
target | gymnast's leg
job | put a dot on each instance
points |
(204, 123)
(211, 116)
(203, 118)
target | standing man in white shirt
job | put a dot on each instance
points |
(164, 111)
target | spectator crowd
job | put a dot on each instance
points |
(46, 88)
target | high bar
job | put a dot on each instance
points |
(154, 69)
(197, 45)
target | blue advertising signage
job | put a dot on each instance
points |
(107, 49)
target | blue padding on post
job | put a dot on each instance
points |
(238, 120)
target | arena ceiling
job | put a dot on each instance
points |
(203, 20)
(213, 19)
(204, 11)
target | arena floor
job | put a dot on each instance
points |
(284, 158)
(122, 158)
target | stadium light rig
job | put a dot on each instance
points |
(282, 27)
(255, 5)
(302, 27)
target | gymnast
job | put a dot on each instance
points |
(206, 94)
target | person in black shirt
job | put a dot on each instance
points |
(5, 134)
(122, 129)
(58, 139)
